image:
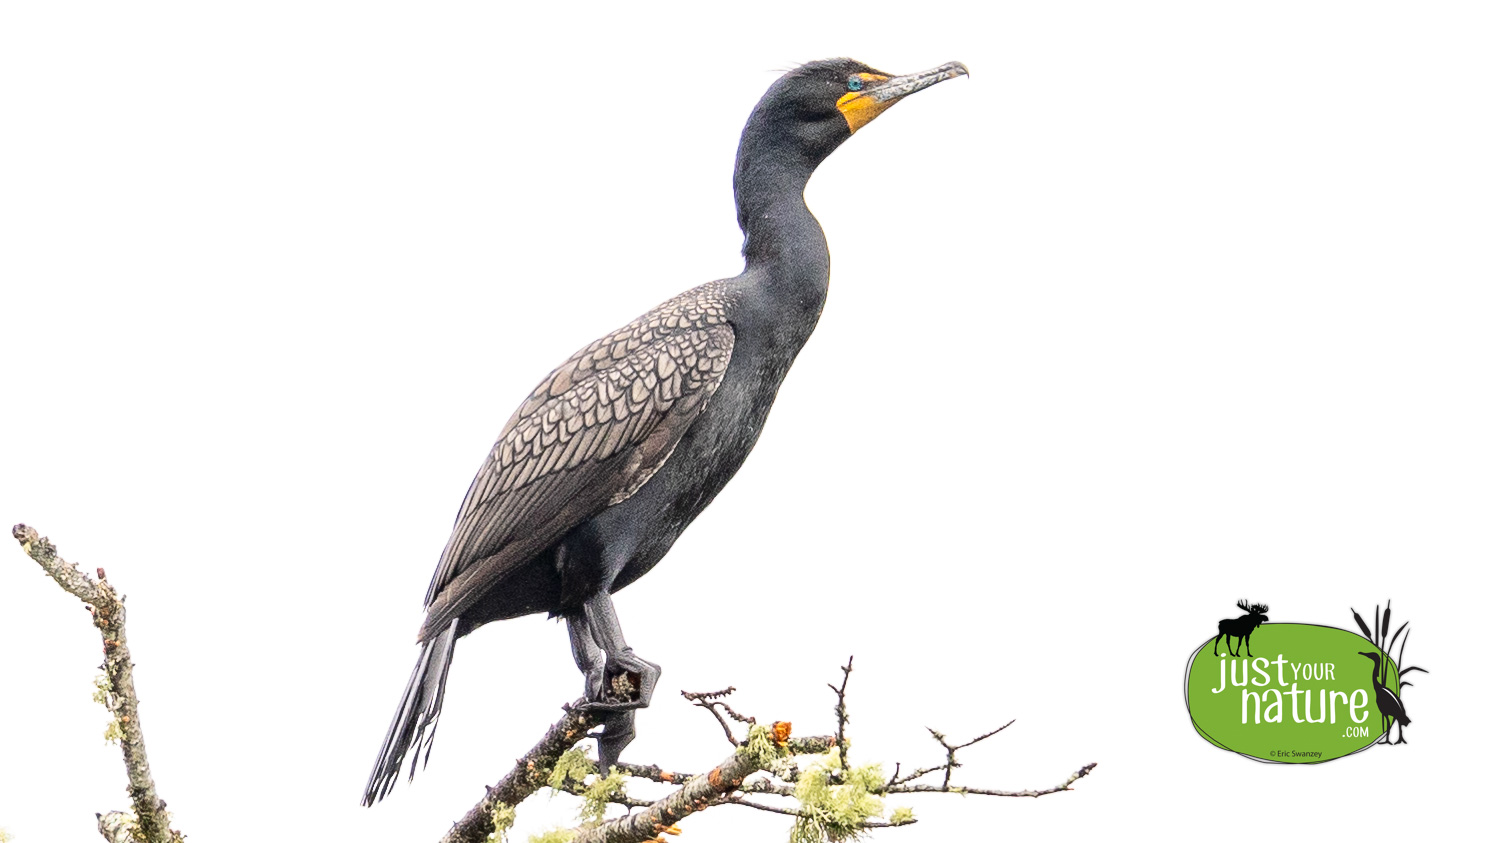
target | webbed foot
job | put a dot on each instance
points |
(627, 683)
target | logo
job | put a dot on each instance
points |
(1314, 693)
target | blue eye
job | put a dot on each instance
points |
(855, 84)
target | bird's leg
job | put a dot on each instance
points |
(586, 653)
(625, 681)
(618, 726)
(628, 680)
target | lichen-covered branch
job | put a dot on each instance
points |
(830, 799)
(117, 692)
(530, 773)
(765, 746)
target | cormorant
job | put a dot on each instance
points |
(619, 448)
(1390, 706)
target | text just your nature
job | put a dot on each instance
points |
(1269, 704)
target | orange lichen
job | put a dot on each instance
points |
(781, 731)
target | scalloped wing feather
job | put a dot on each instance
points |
(589, 436)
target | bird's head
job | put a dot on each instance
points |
(1375, 656)
(819, 105)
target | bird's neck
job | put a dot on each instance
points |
(783, 242)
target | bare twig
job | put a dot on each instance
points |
(980, 791)
(699, 696)
(715, 700)
(527, 776)
(952, 765)
(898, 779)
(737, 799)
(842, 716)
(903, 784)
(108, 610)
(742, 718)
(708, 700)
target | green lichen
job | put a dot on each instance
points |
(901, 816)
(101, 690)
(104, 695)
(596, 797)
(556, 835)
(5, 836)
(761, 747)
(836, 812)
(503, 817)
(119, 826)
(570, 775)
(573, 766)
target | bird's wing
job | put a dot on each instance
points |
(587, 437)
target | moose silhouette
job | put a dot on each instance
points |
(1241, 627)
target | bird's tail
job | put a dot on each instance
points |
(415, 723)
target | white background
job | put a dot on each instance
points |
(1170, 304)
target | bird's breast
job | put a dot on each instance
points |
(706, 458)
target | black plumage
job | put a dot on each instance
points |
(619, 448)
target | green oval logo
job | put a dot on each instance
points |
(1309, 694)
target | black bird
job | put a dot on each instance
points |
(620, 447)
(1390, 706)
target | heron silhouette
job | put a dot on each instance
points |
(1389, 704)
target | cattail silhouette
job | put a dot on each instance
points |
(1390, 703)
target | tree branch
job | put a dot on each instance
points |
(841, 711)
(527, 776)
(118, 693)
(697, 794)
(712, 701)
(980, 791)
(767, 749)
(901, 784)
(832, 799)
